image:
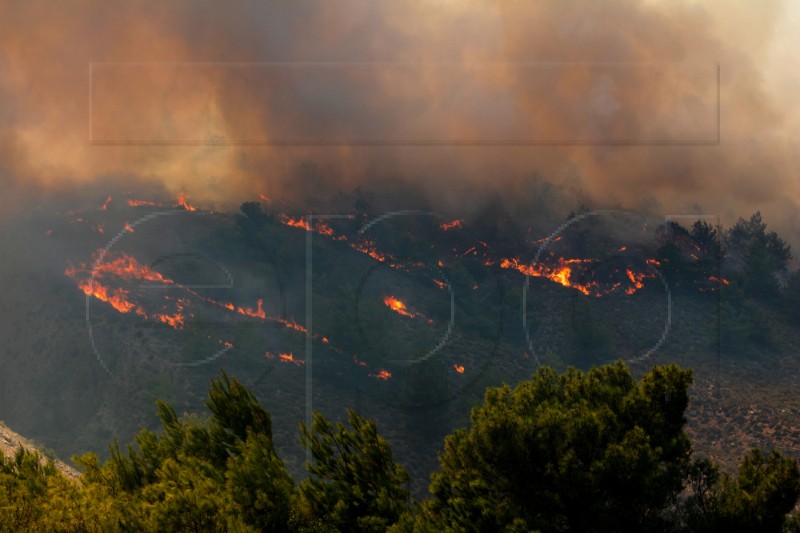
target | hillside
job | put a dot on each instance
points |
(11, 441)
(412, 318)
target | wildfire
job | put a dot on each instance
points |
(296, 223)
(117, 298)
(292, 325)
(385, 375)
(289, 358)
(176, 321)
(264, 198)
(454, 224)
(722, 281)
(319, 226)
(368, 247)
(256, 313)
(459, 368)
(125, 267)
(104, 207)
(440, 284)
(560, 274)
(397, 306)
(182, 203)
(636, 280)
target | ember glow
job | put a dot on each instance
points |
(397, 306)
(125, 268)
(563, 274)
(368, 247)
(560, 274)
(459, 368)
(636, 281)
(382, 374)
(182, 203)
(296, 223)
(116, 298)
(255, 313)
(455, 224)
(319, 226)
(104, 207)
(289, 358)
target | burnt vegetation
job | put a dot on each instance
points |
(585, 444)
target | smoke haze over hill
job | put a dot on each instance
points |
(575, 80)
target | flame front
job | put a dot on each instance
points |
(454, 224)
(459, 368)
(560, 274)
(256, 313)
(182, 203)
(397, 306)
(382, 374)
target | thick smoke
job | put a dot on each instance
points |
(47, 49)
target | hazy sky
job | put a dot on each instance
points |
(557, 71)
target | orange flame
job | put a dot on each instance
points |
(560, 274)
(385, 375)
(292, 325)
(176, 321)
(459, 368)
(264, 198)
(368, 247)
(118, 298)
(289, 358)
(636, 280)
(256, 313)
(104, 207)
(397, 306)
(182, 203)
(127, 267)
(297, 223)
(319, 226)
(454, 224)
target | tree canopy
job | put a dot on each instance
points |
(578, 451)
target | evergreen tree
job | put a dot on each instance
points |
(354, 482)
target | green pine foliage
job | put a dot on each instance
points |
(577, 451)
